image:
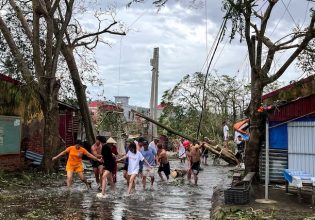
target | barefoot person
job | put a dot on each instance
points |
(164, 165)
(194, 155)
(74, 163)
(134, 157)
(111, 142)
(148, 171)
(125, 168)
(109, 169)
(96, 150)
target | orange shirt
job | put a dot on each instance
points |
(75, 155)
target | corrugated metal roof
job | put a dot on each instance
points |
(294, 109)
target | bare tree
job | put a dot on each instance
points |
(251, 24)
(48, 30)
(45, 54)
(75, 38)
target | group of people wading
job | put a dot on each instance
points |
(140, 160)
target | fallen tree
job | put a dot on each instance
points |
(215, 149)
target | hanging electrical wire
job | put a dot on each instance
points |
(220, 33)
(211, 49)
(287, 8)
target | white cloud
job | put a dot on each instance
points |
(180, 34)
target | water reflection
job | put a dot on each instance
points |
(173, 200)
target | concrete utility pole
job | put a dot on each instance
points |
(154, 91)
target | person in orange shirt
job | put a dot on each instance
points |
(74, 163)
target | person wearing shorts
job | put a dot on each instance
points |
(195, 167)
(112, 144)
(149, 154)
(96, 150)
(134, 157)
(75, 164)
(194, 155)
(109, 169)
(164, 165)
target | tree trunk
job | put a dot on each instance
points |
(49, 105)
(234, 109)
(256, 127)
(80, 92)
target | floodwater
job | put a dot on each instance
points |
(173, 200)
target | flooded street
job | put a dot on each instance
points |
(173, 200)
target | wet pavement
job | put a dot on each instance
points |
(173, 200)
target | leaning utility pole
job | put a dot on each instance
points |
(154, 91)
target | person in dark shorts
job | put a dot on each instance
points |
(164, 164)
(112, 144)
(240, 149)
(109, 168)
(96, 150)
(194, 155)
(195, 167)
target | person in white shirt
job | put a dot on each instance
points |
(225, 134)
(134, 157)
(181, 152)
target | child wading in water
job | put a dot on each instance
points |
(74, 163)
(134, 157)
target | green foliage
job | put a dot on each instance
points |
(111, 121)
(225, 100)
(18, 100)
(85, 58)
(306, 60)
(233, 12)
(239, 214)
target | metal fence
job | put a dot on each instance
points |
(278, 161)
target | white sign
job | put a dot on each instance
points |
(17, 122)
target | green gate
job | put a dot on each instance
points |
(10, 134)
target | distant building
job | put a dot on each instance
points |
(123, 102)
(94, 109)
(136, 124)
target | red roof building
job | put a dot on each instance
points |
(32, 132)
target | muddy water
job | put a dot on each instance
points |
(174, 200)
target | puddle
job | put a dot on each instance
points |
(173, 200)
